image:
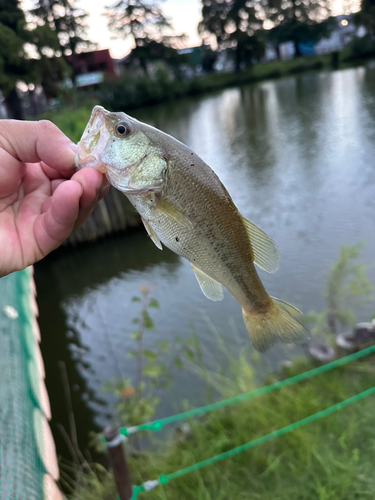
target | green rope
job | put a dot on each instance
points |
(157, 425)
(164, 479)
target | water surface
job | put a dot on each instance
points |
(297, 156)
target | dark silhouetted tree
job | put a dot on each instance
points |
(50, 69)
(70, 24)
(41, 64)
(13, 64)
(366, 16)
(236, 24)
(68, 20)
(208, 59)
(143, 22)
(299, 21)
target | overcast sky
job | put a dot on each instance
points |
(185, 15)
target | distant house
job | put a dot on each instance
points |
(91, 68)
(189, 68)
(340, 36)
(225, 60)
(343, 34)
(194, 57)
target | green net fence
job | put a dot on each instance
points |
(26, 447)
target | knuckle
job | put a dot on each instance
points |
(47, 126)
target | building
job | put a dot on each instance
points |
(340, 36)
(343, 34)
(91, 68)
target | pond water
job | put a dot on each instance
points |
(297, 156)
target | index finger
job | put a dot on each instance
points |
(32, 142)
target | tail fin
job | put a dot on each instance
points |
(277, 324)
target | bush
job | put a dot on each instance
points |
(135, 91)
(361, 47)
(72, 120)
(300, 68)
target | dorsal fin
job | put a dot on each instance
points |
(212, 289)
(152, 234)
(266, 255)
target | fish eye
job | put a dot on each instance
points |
(122, 129)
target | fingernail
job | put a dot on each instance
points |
(73, 147)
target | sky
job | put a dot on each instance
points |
(185, 16)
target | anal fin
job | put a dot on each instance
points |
(212, 289)
(154, 237)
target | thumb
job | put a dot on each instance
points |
(32, 142)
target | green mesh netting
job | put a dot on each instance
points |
(21, 469)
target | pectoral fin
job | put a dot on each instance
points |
(211, 288)
(145, 189)
(154, 237)
(266, 255)
(173, 212)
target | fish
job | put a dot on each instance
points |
(184, 206)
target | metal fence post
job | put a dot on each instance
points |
(118, 463)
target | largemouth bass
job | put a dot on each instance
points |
(184, 206)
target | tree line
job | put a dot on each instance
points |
(38, 47)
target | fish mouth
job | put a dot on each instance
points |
(93, 141)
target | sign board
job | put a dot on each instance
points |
(89, 78)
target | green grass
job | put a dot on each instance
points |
(71, 120)
(331, 459)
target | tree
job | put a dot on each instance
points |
(68, 21)
(236, 24)
(50, 68)
(144, 23)
(366, 16)
(299, 21)
(152, 51)
(208, 59)
(140, 20)
(16, 64)
(13, 67)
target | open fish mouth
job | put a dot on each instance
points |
(93, 141)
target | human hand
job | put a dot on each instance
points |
(42, 200)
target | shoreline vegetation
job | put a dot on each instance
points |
(330, 459)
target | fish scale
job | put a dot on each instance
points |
(185, 206)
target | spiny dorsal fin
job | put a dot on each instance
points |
(211, 288)
(152, 234)
(266, 255)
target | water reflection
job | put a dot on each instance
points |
(297, 156)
